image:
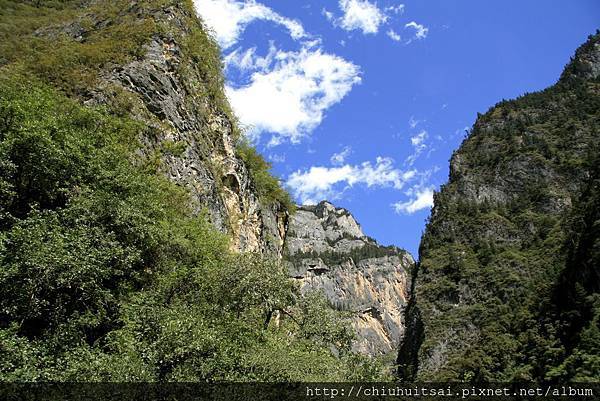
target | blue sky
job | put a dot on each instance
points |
(363, 102)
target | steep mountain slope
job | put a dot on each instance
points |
(119, 158)
(327, 251)
(507, 283)
(153, 61)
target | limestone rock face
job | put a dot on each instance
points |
(168, 93)
(327, 251)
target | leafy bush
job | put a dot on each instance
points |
(267, 186)
(44, 39)
(105, 275)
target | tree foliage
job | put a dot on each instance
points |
(106, 275)
(507, 283)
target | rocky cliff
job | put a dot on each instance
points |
(115, 134)
(327, 251)
(153, 61)
(487, 303)
(171, 81)
(171, 94)
(507, 283)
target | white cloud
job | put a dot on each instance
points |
(248, 60)
(228, 18)
(328, 15)
(394, 35)
(289, 96)
(362, 15)
(397, 9)
(339, 158)
(421, 30)
(421, 198)
(417, 140)
(419, 145)
(412, 122)
(318, 183)
(280, 92)
(366, 16)
(277, 158)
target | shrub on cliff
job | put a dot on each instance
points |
(106, 275)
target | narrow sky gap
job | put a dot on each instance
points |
(363, 102)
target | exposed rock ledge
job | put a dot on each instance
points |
(327, 250)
